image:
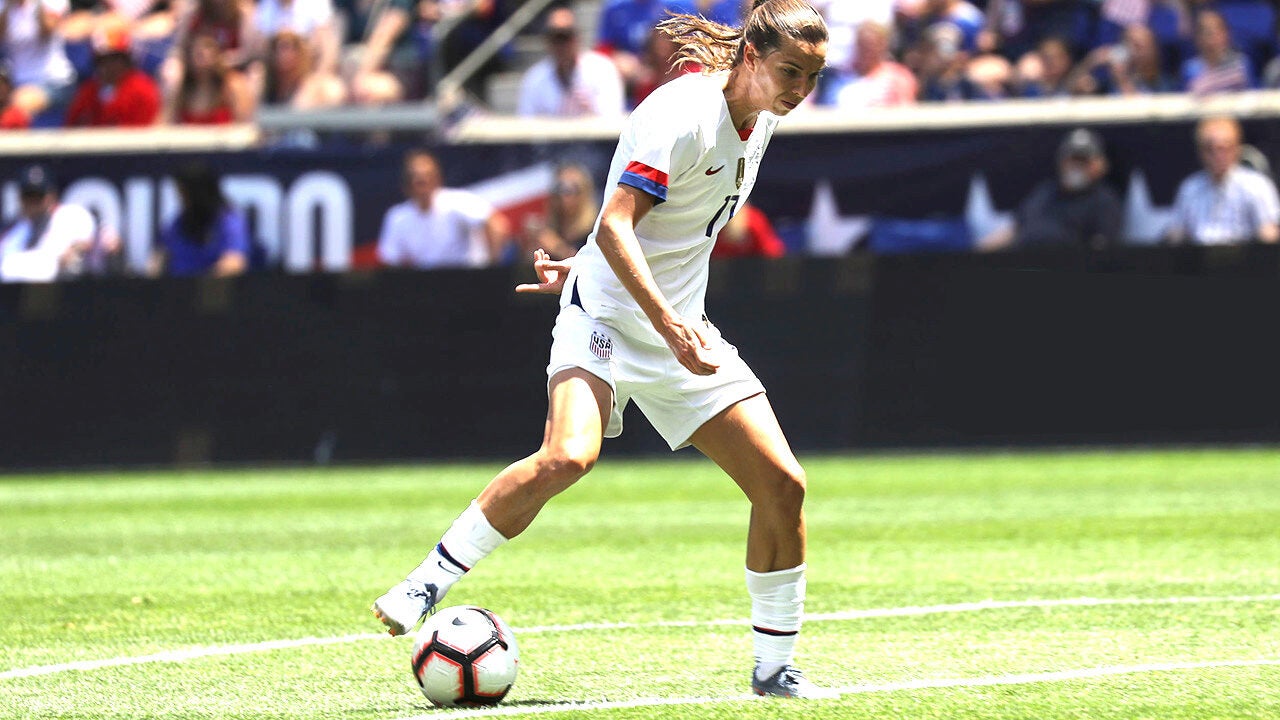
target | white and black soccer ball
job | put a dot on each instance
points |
(465, 656)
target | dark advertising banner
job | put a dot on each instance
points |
(1146, 345)
(365, 367)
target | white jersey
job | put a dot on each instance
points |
(450, 234)
(27, 259)
(681, 147)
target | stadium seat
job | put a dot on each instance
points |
(905, 235)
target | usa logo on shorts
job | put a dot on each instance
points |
(601, 346)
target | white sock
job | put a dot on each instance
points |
(777, 610)
(467, 541)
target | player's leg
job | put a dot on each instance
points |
(577, 415)
(578, 408)
(747, 443)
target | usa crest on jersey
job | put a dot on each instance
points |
(601, 345)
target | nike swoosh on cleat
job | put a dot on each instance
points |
(713, 172)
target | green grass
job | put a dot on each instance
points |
(108, 566)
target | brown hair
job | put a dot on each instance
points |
(720, 47)
(272, 82)
(573, 228)
(187, 85)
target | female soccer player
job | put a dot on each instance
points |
(632, 326)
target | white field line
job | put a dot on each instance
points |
(925, 684)
(177, 656)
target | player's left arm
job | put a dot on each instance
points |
(620, 247)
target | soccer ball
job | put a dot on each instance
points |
(465, 655)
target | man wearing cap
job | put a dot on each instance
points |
(570, 82)
(118, 94)
(48, 238)
(1075, 208)
(1224, 203)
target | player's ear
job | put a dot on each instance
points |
(750, 56)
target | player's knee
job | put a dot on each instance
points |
(565, 463)
(787, 487)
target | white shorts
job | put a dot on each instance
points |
(675, 401)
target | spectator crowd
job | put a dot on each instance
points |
(135, 63)
(141, 62)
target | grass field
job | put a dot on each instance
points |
(940, 586)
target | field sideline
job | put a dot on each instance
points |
(1108, 586)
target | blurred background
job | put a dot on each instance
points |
(287, 231)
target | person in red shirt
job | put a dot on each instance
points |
(748, 234)
(118, 94)
(12, 117)
(209, 93)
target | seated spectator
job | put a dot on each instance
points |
(208, 236)
(1252, 24)
(48, 238)
(1131, 67)
(1046, 71)
(658, 69)
(291, 80)
(232, 23)
(874, 79)
(989, 77)
(1074, 209)
(570, 82)
(626, 26)
(383, 63)
(843, 20)
(946, 73)
(1217, 66)
(43, 77)
(748, 234)
(151, 23)
(118, 94)
(312, 19)
(1168, 20)
(209, 93)
(963, 15)
(437, 226)
(12, 117)
(1225, 203)
(939, 64)
(571, 214)
(1017, 27)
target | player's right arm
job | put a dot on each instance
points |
(617, 241)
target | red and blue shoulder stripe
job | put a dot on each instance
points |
(642, 177)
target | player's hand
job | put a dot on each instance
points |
(551, 274)
(689, 345)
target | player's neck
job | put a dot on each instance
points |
(737, 95)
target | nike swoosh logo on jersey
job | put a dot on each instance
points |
(713, 172)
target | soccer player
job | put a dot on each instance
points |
(632, 326)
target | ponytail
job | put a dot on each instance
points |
(720, 47)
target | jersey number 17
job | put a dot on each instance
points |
(730, 204)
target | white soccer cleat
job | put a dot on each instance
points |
(789, 682)
(404, 606)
